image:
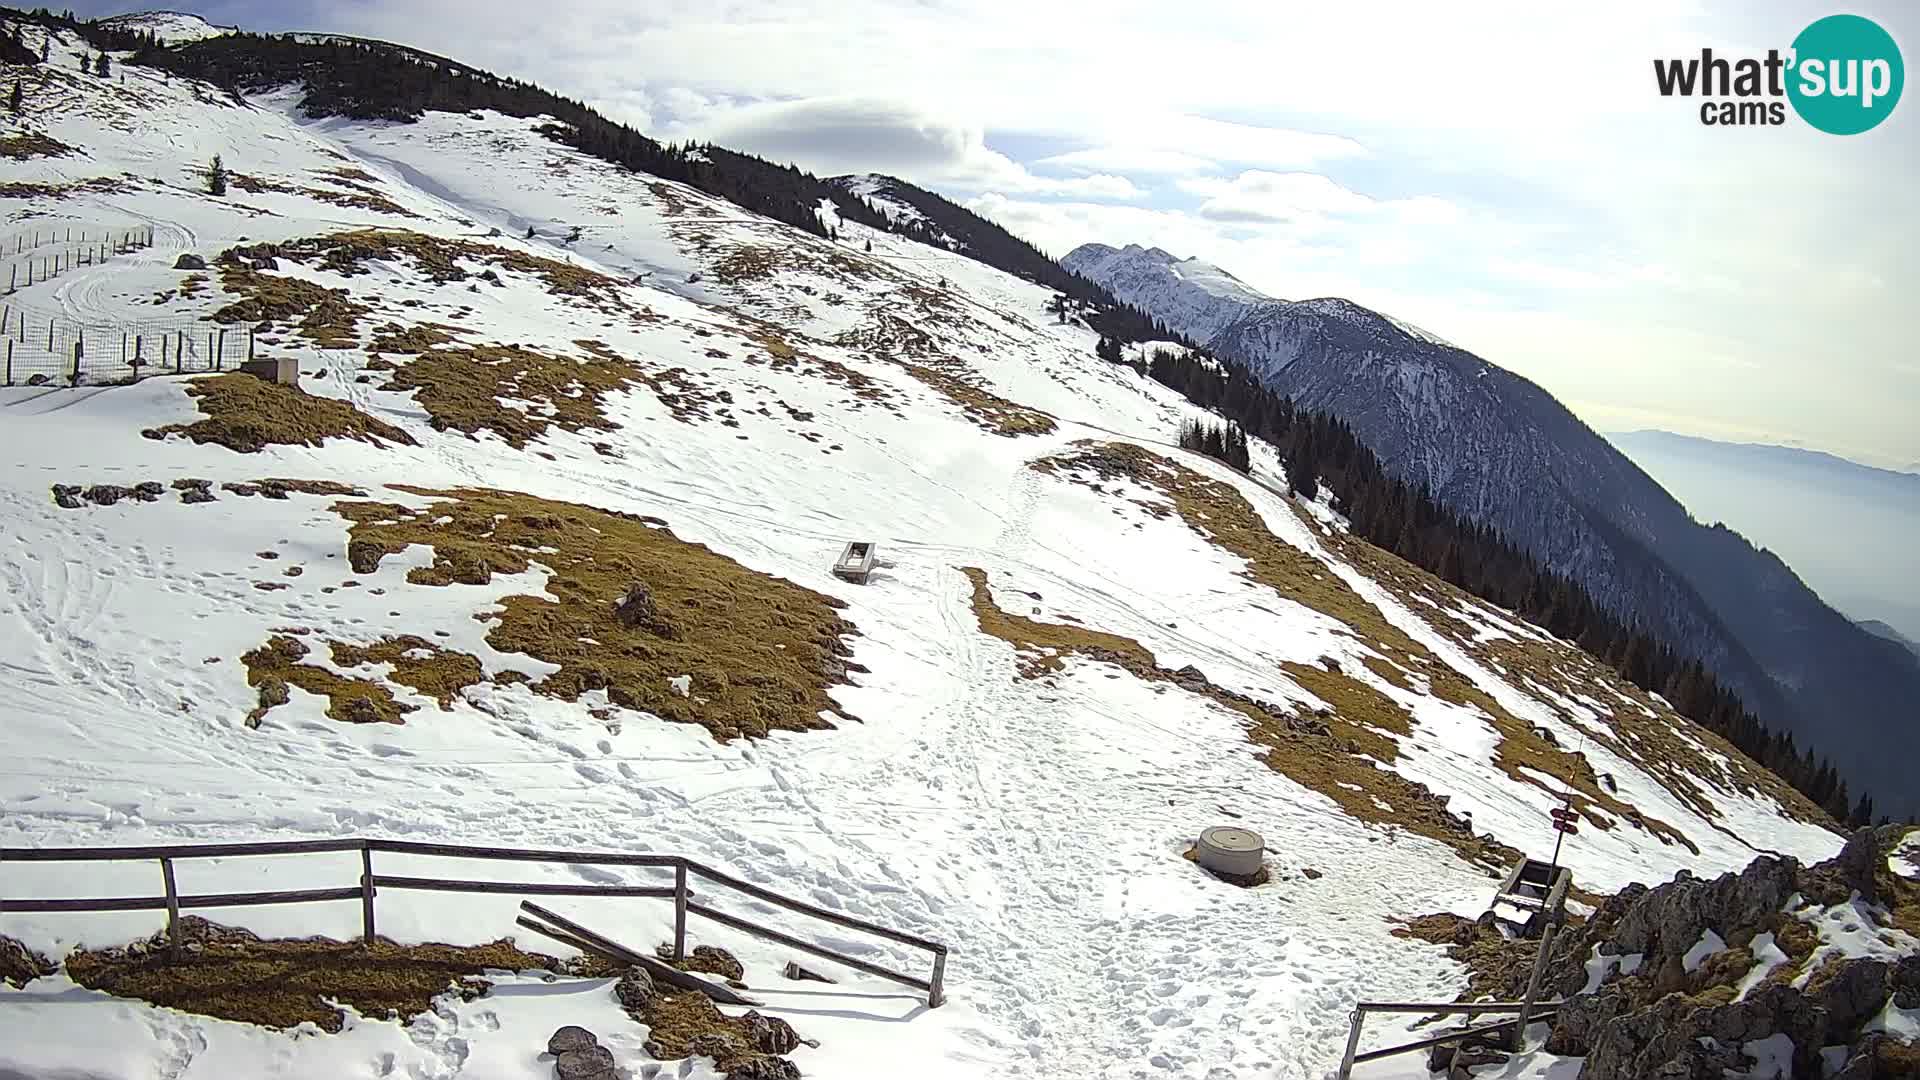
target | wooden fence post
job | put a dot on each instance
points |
(123, 348)
(220, 353)
(9, 361)
(936, 988)
(366, 895)
(77, 353)
(49, 335)
(173, 908)
(680, 910)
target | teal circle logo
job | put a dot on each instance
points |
(1846, 74)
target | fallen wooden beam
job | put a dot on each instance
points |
(572, 933)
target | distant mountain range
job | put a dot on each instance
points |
(1499, 449)
(1852, 530)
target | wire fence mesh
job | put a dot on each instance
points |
(44, 348)
(31, 256)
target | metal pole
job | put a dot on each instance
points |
(221, 353)
(366, 895)
(936, 988)
(1353, 1043)
(9, 361)
(1533, 986)
(173, 906)
(680, 911)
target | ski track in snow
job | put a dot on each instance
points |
(1034, 825)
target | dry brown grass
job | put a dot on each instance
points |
(233, 975)
(446, 260)
(410, 340)
(1494, 963)
(104, 185)
(360, 198)
(273, 667)
(1315, 756)
(32, 144)
(417, 663)
(762, 652)
(329, 318)
(1217, 511)
(891, 339)
(462, 390)
(248, 415)
(1653, 743)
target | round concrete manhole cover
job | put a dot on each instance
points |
(1226, 838)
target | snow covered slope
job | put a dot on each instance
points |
(171, 27)
(1082, 647)
(1500, 450)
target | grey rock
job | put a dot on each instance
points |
(570, 1037)
(713, 1046)
(189, 261)
(196, 495)
(106, 494)
(769, 1034)
(67, 496)
(636, 990)
(38, 379)
(584, 1063)
(148, 490)
(765, 1068)
(364, 556)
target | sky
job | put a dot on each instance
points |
(1505, 175)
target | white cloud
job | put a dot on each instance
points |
(831, 136)
(1137, 160)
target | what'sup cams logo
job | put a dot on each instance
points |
(1843, 75)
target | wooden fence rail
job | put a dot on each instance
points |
(173, 902)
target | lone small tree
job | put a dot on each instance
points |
(104, 66)
(86, 64)
(217, 177)
(529, 232)
(13, 100)
(46, 49)
(869, 245)
(574, 235)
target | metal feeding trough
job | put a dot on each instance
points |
(856, 562)
(1229, 849)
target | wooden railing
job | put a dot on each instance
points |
(173, 902)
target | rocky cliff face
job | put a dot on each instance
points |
(1815, 968)
(1500, 449)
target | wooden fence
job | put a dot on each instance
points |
(173, 902)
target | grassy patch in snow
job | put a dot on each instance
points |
(1681, 762)
(417, 663)
(360, 199)
(889, 338)
(247, 414)
(329, 318)
(761, 653)
(1323, 757)
(20, 965)
(445, 261)
(32, 144)
(466, 389)
(275, 666)
(100, 185)
(1218, 512)
(283, 983)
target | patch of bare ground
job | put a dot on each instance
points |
(1680, 754)
(32, 144)
(1220, 513)
(327, 317)
(684, 394)
(361, 198)
(760, 653)
(409, 340)
(275, 666)
(784, 356)
(445, 260)
(248, 415)
(417, 663)
(1319, 755)
(101, 185)
(466, 388)
(232, 974)
(889, 338)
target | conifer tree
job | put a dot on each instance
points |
(13, 100)
(217, 177)
(86, 64)
(104, 66)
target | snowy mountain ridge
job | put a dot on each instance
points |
(1476, 435)
(538, 555)
(172, 27)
